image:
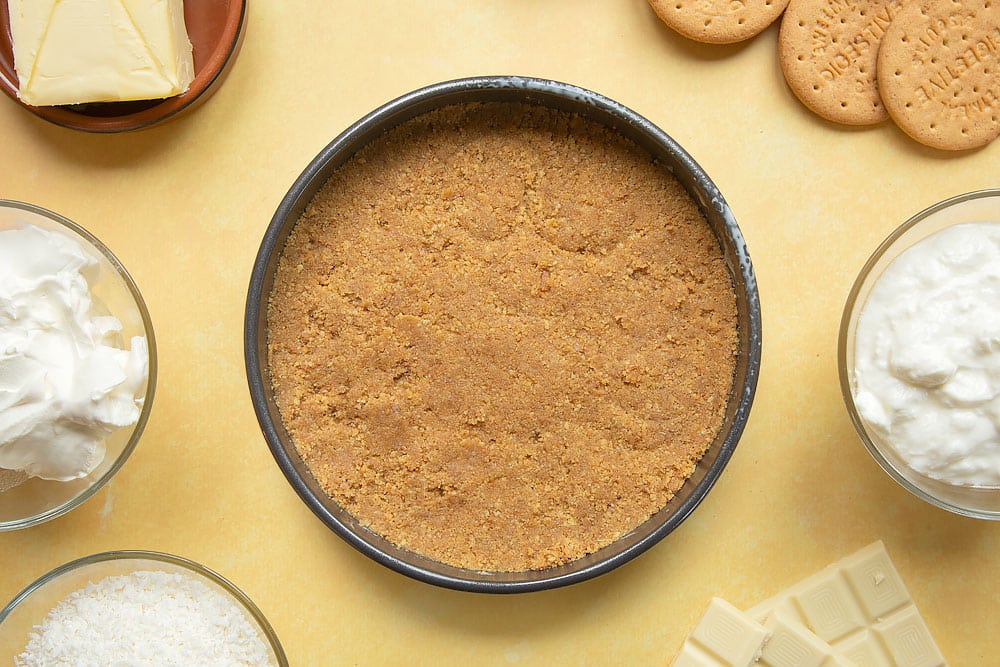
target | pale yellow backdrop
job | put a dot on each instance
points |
(185, 205)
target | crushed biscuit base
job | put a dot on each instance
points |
(502, 336)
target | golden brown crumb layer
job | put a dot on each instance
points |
(501, 336)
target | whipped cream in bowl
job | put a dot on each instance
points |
(77, 365)
(919, 354)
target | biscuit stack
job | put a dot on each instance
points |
(932, 66)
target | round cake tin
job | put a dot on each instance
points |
(529, 91)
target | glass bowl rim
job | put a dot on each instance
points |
(160, 557)
(864, 276)
(147, 324)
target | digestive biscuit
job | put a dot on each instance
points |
(719, 21)
(939, 72)
(828, 51)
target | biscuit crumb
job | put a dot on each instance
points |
(502, 336)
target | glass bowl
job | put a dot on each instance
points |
(31, 606)
(25, 501)
(670, 156)
(981, 502)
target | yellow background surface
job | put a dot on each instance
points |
(184, 206)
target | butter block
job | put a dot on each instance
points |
(76, 51)
(724, 637)
(861, 609)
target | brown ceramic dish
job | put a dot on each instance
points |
(216, 32)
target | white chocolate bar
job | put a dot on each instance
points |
(861, 609)
(853, 613)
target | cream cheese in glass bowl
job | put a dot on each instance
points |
(77, 365)
(919, 354)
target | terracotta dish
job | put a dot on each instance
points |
(216, 31)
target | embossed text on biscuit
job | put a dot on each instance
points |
(935, 34)
(860, 44)
(716, 9)
(974, 60)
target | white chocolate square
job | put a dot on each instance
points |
(793, 645)
(724, 637)
(865, 649)
(876, 583)
(830, 608)
(909, 641)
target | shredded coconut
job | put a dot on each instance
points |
(145, 618)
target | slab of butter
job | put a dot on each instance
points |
(860, 608)
(75, 51)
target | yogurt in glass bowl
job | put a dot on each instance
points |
(919, 354)
(77, 365)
